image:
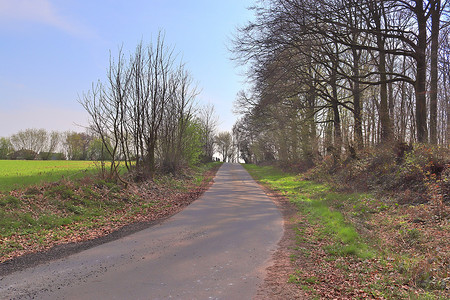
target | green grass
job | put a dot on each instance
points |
(316, 201)
(69, 207)
(328, 219)
(22, 173)
(60, 205)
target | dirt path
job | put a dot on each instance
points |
(217, 248)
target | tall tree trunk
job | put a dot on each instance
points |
(282, 143)
(357, 100)
(403, 107)
(435, 24)
(386, 129)
(403, 114)
(294, 141)
(376, 9)
(391, 98)
(447, 99)
(336, 115)
(151, 164)
(328, 134)
(312, 132)
(421, 77)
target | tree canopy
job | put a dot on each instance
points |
(330, 77)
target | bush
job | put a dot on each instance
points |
(420, 172)
(23, 155)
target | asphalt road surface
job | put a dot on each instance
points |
(217, 248)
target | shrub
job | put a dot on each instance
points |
(23, 155)
(421, 172)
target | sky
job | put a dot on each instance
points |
(51, 51)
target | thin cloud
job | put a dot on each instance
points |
(39, 11)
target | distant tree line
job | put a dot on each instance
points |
(334, 77)
(40, 144)
(31, 144)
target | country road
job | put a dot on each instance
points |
(217, 248)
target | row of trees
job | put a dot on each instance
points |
(330, 76)
(40, 144)
(145, 112)
(32, 144)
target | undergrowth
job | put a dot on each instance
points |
(40, 216)
(359, 245)
(411, 174)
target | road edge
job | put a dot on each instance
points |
(64, 250)
(276, 284)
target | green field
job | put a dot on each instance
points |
(20, 173)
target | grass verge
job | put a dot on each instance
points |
(313, 200)
(354, 246)
(39, 217)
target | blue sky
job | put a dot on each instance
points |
(52, 50)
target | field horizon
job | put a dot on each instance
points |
(16, 174)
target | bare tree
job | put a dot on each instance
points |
(224, 143)
(244, 135)
(435, 29)
(177, 123)
(30, 139)
(53, 141)
(445, 69)
(143, 112)
(209, 121)
(365, 57)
